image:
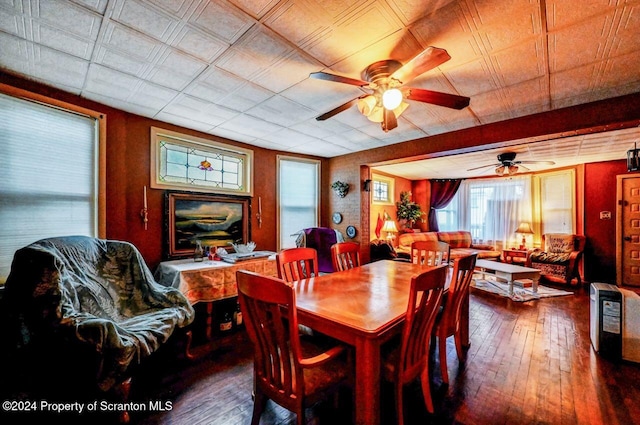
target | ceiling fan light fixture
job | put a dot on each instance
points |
(376, 114)
(391, 99)
(367, 105)
(400, 109)
(500, 170)
(512, 169)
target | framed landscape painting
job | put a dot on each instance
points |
(214, 220)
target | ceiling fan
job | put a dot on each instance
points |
(386, 80)
(508, 165)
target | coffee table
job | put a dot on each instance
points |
(510, 272)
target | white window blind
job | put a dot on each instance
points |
(48, 176)
(298, 197)
(557, 201)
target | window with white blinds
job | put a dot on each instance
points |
(48, 176)
(557, 202)
(298, 197)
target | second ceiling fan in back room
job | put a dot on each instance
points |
(386, 79)
(507, 164)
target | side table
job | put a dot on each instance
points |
(211, 281)
(514, 256)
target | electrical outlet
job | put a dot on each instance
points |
(605, 215)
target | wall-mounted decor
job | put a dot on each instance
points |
(214, 220)
(337, 218)
(351, 232)
(340, 188)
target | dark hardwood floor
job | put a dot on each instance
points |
(529, 363)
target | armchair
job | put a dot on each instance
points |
(80, 311)
(559, 259)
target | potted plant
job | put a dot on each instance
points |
(408, 211)
(341, 188)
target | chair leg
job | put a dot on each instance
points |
(399, 403)
(442, 347)
(426, 388)
(259, 404)
(462, 356)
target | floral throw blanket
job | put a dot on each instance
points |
(99, 291)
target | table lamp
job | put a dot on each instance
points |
(390, 227)
(524, 229)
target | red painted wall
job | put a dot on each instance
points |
(600, 195)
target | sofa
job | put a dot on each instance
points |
(460, 243)
(559, 258)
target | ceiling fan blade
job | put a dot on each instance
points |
(338, 79)
(537, 162)
(437, 98)
(389, 121)
(484, 166)
(336, 111)
(523, 167)
(428, 59)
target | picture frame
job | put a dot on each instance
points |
(214, 220)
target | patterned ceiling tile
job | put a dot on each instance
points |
(250, 126)
(245, 97)
(126, 40)
(69, 17)
(563, 54)
(372, 23)
(199, 44)
(562, 13)
(121, 61)
(411, 10)
(144, 18)
(221, 20)
(62, 40)
(257, 50)
(522, 62)
(59, 68)
(256, 8)
(110, 83)
(273, 110)
(12, 22)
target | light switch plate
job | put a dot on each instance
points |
(605, 215)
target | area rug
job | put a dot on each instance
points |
(519, 293)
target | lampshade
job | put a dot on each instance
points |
(500, 170)
(524, 228)
(390, 226)
(391, 99)
(366, 105)
(512, 169)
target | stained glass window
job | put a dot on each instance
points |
(382, 190)
(187, 163)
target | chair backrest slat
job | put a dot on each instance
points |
(345, 255)
(430, 253)
(297, 263)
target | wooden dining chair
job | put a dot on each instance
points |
(345, 255)
(411, 359)
(292, 372)
(430, 253)
(448, 320)
(297, 263)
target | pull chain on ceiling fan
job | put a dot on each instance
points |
(386, 80)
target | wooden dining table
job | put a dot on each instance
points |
(363, 307)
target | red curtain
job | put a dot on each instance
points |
(442, 192)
